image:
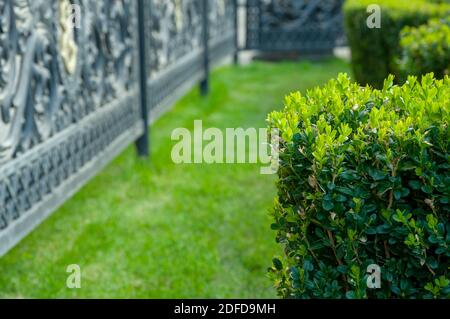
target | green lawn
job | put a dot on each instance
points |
(153, 229)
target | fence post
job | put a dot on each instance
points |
(204, 84)
(142, 143)
(236, 31)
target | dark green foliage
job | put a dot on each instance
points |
(364, 179)
(426, 49)
(375, 51)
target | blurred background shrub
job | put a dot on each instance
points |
(426, 49)
(375, 51)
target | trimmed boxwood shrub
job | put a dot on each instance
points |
(375, 51)
(426, 49)
(364, 179)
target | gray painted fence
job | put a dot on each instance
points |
(71, 99)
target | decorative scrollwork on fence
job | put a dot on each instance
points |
(175, 30)
(68, 101)
(221, 18)
(222, 28)
(303, 25)
(29, 73)
(40, 89)
(177, 44)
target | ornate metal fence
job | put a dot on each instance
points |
(184, 38)
(72, 98)
(307, 26)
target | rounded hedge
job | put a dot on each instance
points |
(364, 179)
(426, 49)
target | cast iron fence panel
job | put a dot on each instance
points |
(68, 102)
(71, 99)
(183, 38)
(222, 29)
(175, 50)
(307, 26)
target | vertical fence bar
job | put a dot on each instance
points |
(204, 84)
(236, 32)
(142, 144)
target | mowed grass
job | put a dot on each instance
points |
(153, 229)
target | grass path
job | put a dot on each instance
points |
(153, 229)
